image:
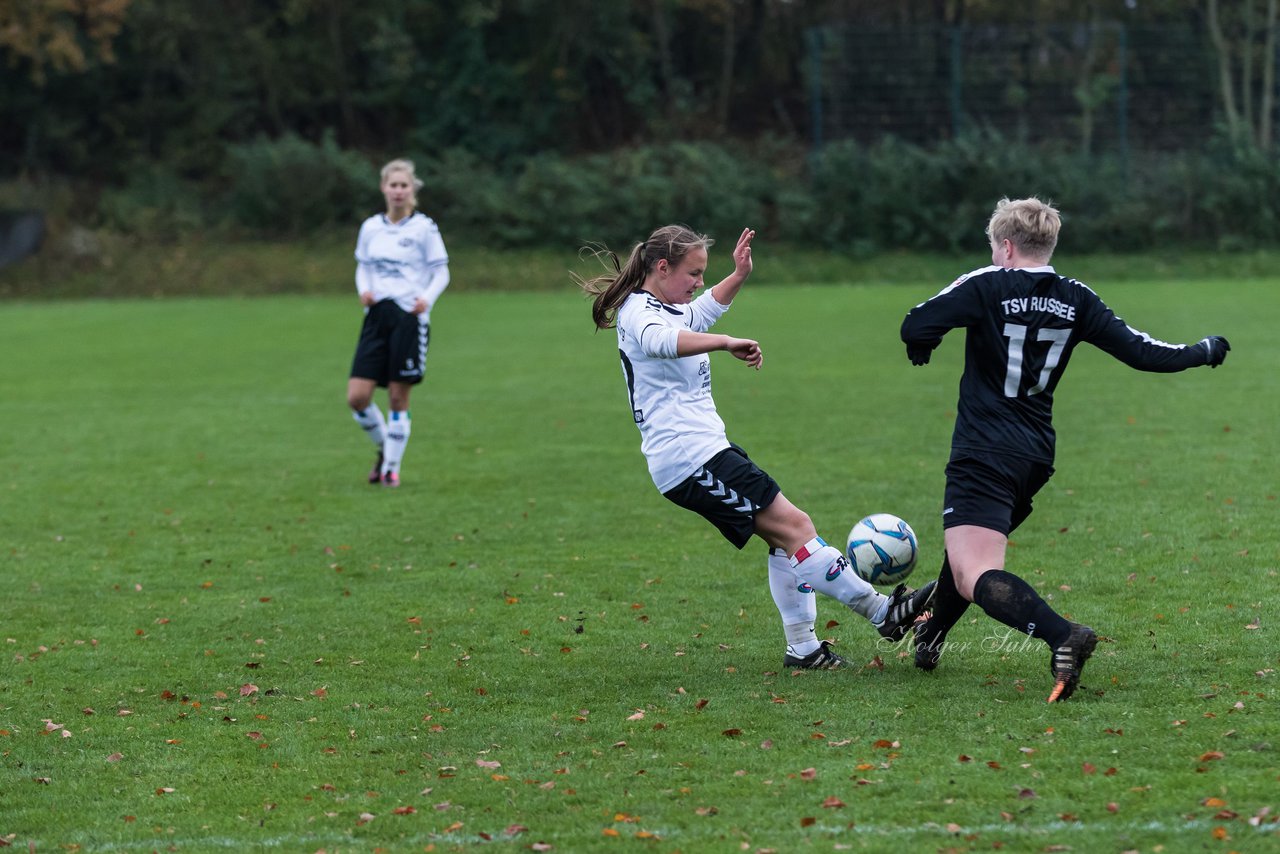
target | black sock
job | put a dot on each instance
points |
(948, 605)
(1010, 600)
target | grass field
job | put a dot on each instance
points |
(218, 637)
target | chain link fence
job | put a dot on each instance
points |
(1102, 88)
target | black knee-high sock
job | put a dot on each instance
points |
(948, 605)
(1007, 598)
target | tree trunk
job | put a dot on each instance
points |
(1220, 46)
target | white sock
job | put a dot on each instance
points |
(827, 571)
(797, 604)
(398, 429)
(371, 421)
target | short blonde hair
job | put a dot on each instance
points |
(1031, 225)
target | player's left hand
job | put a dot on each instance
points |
(742, 253)
(1217, 348)
(420, 305)
(747, 350)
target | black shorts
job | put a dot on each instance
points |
(392, 346)
(991, 491)
(728, 491)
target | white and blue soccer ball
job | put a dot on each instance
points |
(882, 549)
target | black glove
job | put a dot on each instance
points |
(919, 353)
(1217, 348)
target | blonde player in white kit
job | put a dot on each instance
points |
(401, 270)
(664, 344)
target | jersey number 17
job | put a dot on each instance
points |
(1017, 335)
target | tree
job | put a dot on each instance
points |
(65, 35)
(1246, 50)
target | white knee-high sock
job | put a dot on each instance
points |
(398, 429)
(826, 570)
(372, 423)
(797, 604)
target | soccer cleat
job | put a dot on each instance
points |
(391, 479)
(904, 606)
(375, 473)
(822, 658)
(1068, 660)
(929, 644)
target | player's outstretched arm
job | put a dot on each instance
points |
(1216, 348)
(692, 343)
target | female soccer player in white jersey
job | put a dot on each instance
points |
(664, 345)
(1022, 320)
(401, 270)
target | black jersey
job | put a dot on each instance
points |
(1021, 328)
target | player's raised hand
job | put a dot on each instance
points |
(1217, 348)
(742, 253)
(746, 350)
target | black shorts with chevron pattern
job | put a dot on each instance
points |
(727, 491)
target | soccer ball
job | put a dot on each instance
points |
(882, 549)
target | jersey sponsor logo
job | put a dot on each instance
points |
(405, 242)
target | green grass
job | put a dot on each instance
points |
(525, 646)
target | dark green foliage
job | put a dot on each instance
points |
(291, 186)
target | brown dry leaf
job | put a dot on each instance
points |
(247, 689)
(808, 821)
(832, 802)
(809, 774)
(638, 716)
(490, 765)
(1088, 768)
(115, 757)
(1212, 755)
(732, 733)
(515, 829)
(403, 811)
(1027, 794)
(1213, 803)
(964, 758)
(701, 704)
(542, 846)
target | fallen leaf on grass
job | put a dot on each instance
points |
(115, 757)
(832, 802)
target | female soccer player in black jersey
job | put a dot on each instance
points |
(1022, 321)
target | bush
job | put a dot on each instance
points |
(289, 186)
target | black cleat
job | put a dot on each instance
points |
(822, 658)
(375, 473)
(1068, 660)
(929, 645)
(904, 606)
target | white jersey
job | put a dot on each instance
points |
(670, 395)
(402, 261)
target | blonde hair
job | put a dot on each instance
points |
(401, 164)
(1031, 225)
(612, 288)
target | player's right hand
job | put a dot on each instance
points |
(919, 353)
(1216, 347)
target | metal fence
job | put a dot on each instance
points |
(1088, 88)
